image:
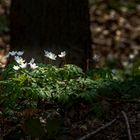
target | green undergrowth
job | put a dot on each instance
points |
(63, 85)
(63, 89)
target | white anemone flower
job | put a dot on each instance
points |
(19, 60)
(13, 53)
(23, 65)
(50, 55)
(62, 54)
(131, 56)
(125, 63)
(31, 61)
(16, 67)
(46, 52)
(19, 53)
(33, 65)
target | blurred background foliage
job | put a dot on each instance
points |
(117, 5)
(4, 30)
(115, 29)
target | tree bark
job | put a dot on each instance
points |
(51, 25)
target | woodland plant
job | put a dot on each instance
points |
(24, 85)
(29, 81)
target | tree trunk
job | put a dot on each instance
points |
(51, 25)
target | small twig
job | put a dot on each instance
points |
(97, 130)
(127, 125)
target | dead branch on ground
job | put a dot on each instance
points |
(98, 130)
(127, 125)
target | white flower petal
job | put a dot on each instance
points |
(19, 53)
(16, 67)
(19, 60)
(31, 61)
(13, 53)
(50, 55)
(23, 65)
(46, 52)
(62, 54)
(33, 65)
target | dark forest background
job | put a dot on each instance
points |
(114, 27)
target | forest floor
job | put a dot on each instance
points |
(119, 120)
(113, 126)
(115, 35)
